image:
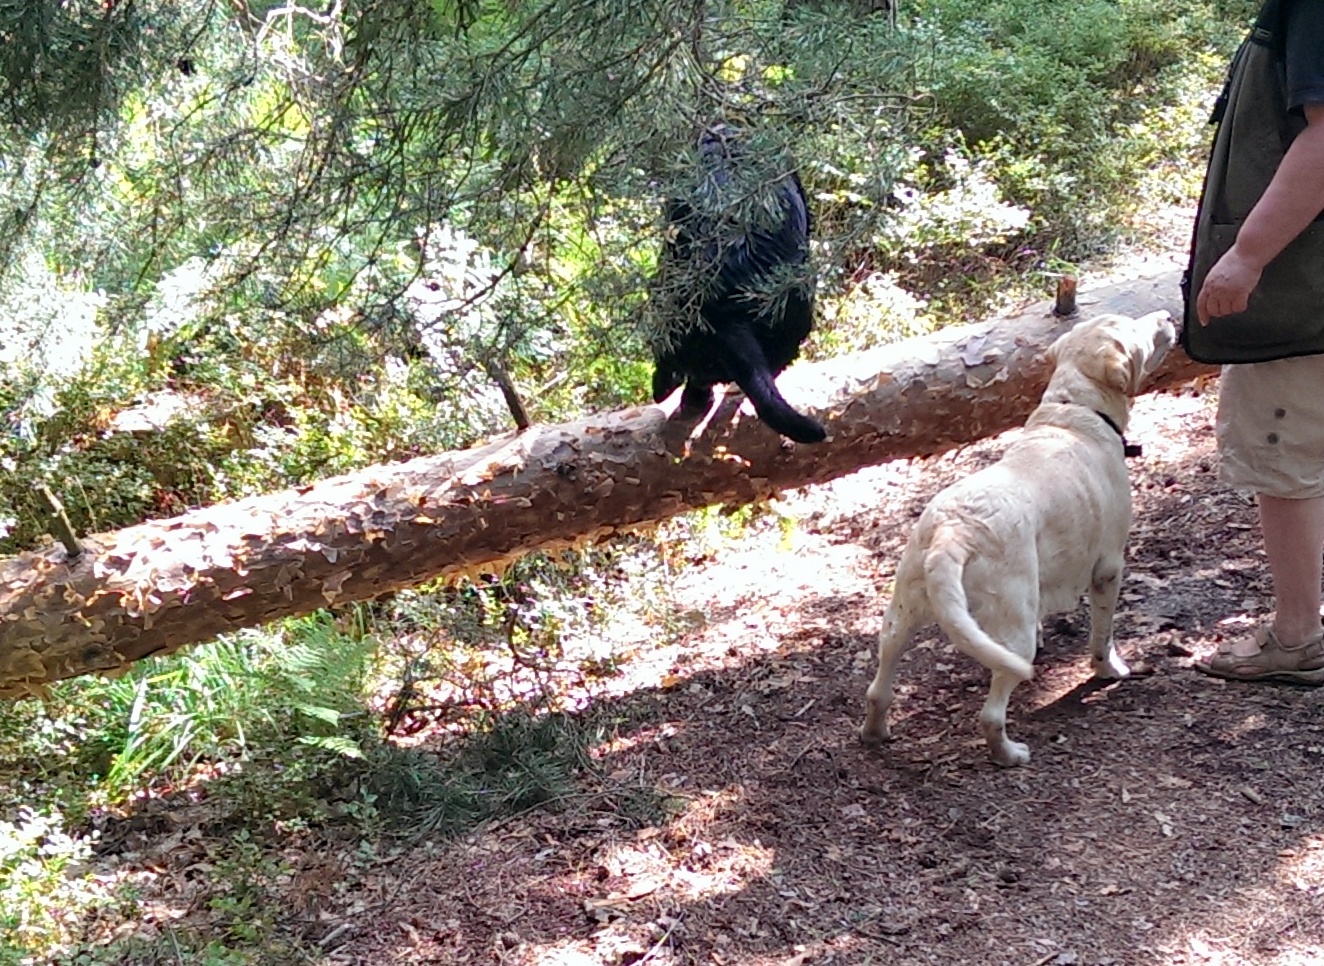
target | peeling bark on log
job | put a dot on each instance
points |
(153, 588)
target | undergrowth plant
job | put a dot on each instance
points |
(300, 685)
(42, 868)
(310, 728)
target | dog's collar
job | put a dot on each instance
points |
(1128, 449)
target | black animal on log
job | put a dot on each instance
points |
(734, 275)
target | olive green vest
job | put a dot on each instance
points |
(1285, 316)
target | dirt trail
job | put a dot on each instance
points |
(1169, 819)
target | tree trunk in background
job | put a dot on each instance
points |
(152, 588)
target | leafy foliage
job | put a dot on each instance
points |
(334, 235)
(1052, 98)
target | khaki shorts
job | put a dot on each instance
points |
(1271, 427)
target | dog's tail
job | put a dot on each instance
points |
(944, 568)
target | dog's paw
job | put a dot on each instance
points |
(873, 734)
(874, 731)
(1111, 668)
(1009, 754)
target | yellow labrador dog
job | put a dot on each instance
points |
(994, 553)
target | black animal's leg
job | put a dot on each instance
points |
(749, 370)
(665, 381)
(697, 398)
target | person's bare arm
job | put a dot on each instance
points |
(1290, 203)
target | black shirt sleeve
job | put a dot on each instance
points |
(1303, 29)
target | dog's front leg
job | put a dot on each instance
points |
(1104, 588)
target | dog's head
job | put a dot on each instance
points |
(1115, 351)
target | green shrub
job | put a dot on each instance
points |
(1055, 100)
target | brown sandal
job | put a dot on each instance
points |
(1274, 661)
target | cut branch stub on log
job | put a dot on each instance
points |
(153, 588)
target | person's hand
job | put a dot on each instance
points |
(1227, 287)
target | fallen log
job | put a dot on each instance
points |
(153, 588)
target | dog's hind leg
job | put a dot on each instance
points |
(666, 378)
(899, 624)
(1104, 587)
(993, 722)
(1019, 633)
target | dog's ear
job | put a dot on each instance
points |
(1110, 362)
(1127, 368)
(1143, 350)
(1160, 336)
(1117, 351)
(1121, 357)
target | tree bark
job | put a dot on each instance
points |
(153, 588)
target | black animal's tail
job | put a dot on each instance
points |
(749, 369)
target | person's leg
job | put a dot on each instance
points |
(1293, 533)
(1292, 646)
(1294, 543)
(1271, 440)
